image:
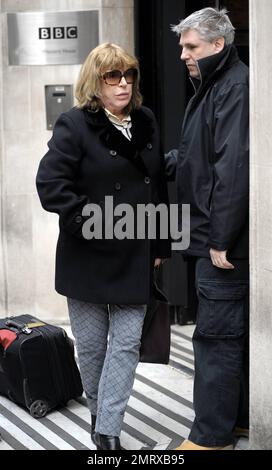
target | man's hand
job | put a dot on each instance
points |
(219, 259)
(157, 262)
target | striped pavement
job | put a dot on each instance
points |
(159, 413)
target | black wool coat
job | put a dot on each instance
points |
(88, 159)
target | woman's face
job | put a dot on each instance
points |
(116, 89)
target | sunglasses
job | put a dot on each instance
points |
(114, 77)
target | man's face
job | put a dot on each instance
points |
(195, 48)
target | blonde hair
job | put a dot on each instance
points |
(103, 58)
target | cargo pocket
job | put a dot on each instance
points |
(222, 309)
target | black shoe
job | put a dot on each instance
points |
(104, 442)
(93, 428)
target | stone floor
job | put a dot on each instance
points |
(159, 413)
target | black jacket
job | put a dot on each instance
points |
(213, 157)
(89, 159)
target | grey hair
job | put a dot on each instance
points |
(210, 23)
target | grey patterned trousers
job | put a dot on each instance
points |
(108, 340)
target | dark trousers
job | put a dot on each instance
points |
(220, 345)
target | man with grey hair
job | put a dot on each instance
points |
(212, 171)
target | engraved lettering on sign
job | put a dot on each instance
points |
(58, 32)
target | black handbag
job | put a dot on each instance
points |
(155, 341)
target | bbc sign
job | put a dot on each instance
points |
(51, 38)
(60, 32)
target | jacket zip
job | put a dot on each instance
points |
(193, 97)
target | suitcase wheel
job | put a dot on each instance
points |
(38, 408)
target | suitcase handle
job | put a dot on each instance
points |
(20, 326)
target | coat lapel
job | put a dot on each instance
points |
(142, 131)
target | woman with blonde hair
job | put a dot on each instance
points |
(107, 148)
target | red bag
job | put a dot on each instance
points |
(6, 338)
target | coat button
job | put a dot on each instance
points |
(149, 146)
(117, 186)
(113, 153)
(78, 219)
(147, 180)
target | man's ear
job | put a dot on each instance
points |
(219, 44)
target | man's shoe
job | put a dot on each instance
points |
(189, 445)
(241, 432)
(105, 442)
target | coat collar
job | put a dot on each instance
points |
(142, 125)
(212, 67)
(142, 131)
(217, 63)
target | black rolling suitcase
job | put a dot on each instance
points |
(37, 365)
